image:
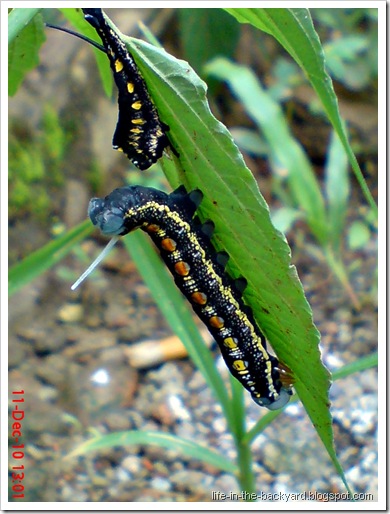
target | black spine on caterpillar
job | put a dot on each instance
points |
(199, 274)
(139, 133)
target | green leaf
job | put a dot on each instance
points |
(210, 161)
(44, 258)
(284, 218)
(171, 442)
(23, 51)
(294, 30)
(249, 140)
(358, 235)
(337, 189)
(18, 19)
(347, 59)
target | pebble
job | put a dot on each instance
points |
(70, 313)
(161, 484)
(132, 463)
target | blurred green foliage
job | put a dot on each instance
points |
(350, 38)
(35, 166)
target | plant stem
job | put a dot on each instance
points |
(246, 478)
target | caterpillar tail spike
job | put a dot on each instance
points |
(96, 262)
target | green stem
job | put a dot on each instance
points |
(245, 477)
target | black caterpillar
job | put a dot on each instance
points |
(200, 275)
(139, 133)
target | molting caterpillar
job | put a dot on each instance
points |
(139, 133)
(200, 275)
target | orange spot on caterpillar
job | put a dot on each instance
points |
(199, 298)
(168, 244)
(182, 268)
(152, 228)
(216, 322)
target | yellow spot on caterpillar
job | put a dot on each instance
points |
(216, 322)
(137, 105)
(168, 244)
(136, 131)
(138, 121)
(130, 87)
(240, 366)
(230, 342)
(152, 228)
(182, 268)
(118, 65)
(199, 298)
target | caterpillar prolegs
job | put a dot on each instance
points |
(200, 275)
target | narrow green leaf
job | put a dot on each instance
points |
(44, 258)
(337, 189)
(249, 140)
(284, 218)
(358, 235)
(294, 30)
(169, 441)
(367, 362)
(347, 60)
(18, 19)
(285, 152)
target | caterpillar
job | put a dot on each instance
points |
(139, 133)
(200, 274)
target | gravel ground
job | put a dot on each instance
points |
(62, 343)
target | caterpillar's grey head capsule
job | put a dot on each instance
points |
(111, 215)
(108, 218)
(108, 214)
